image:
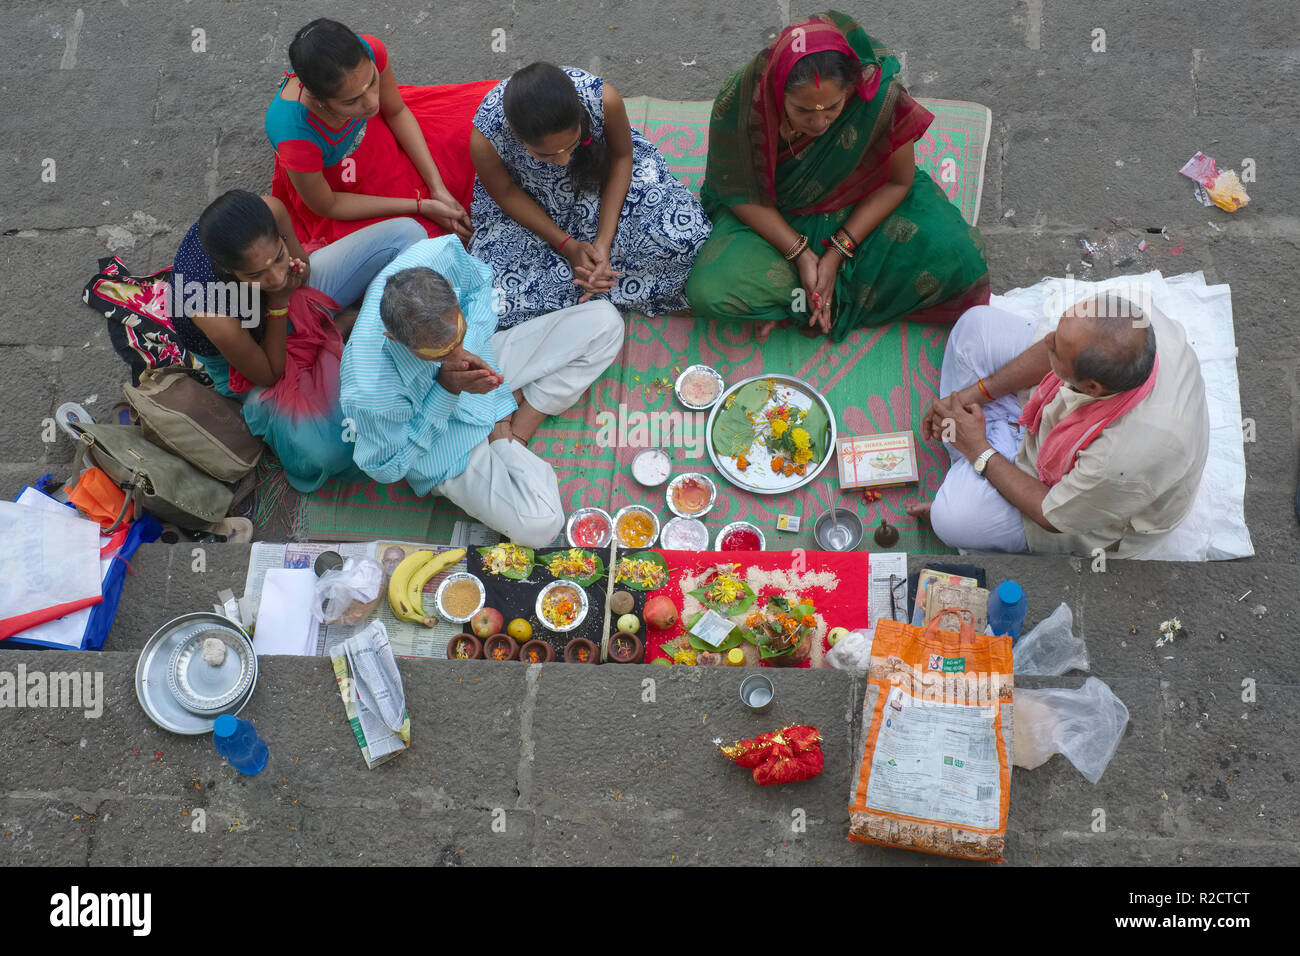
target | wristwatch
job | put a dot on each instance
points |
(982, 462)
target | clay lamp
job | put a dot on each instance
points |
(500, 647)
(539, 649)
(464, 647)
(575, 650)
(625, 649)
(886, 535)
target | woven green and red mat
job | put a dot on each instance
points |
(877, 380)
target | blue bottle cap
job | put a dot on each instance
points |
(1009, 592)
(226, 725)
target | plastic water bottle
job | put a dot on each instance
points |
(237, 741)
(1007, 609)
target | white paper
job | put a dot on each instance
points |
(712, 628)
(49, 559)
(284, 621)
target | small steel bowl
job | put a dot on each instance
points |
(578, 516)
(442, 588)
(722, 533)
(708, 370)
(685, 525)
(654, 536)
(650, 452)
(757, 693)
(583, 606)
(679, 480)
(838, 530)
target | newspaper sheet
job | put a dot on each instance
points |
(407, 639)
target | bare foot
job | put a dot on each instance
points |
(763, 330)
(525, 421)
(920, 510)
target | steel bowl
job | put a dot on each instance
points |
(838, 530)
(584, 605)
(208, 689)
(722, 533)
(679, 480)
(578, 516)
(442, 588)
(685, 524)
(651, 452)
(708, 370)
(654, 518)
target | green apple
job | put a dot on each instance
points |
(629, 624)
(835, 634)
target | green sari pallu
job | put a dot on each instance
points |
(921, 256)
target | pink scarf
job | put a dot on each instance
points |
(310, 384)
(1079, 429)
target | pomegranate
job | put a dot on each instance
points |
(660, 613)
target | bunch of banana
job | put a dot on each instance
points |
(406, 586)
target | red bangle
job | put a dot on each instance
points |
(561, 245)
(980, 385)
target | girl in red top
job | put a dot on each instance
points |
(353, 148)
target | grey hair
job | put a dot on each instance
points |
(1114, 362)
(418, 308)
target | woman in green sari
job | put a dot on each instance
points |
(819, 212)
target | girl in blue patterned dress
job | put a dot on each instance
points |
(571, 202)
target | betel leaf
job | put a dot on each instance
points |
(815, 425)
(654, 557)
(733, 639)
(739, 606)
(733, 430)
(586, 581)
(516, 574)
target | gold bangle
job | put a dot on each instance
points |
(799, 245)
(980, 385)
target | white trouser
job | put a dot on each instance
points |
(553, 358)
(968, 512)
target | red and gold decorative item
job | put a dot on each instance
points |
(783, 756)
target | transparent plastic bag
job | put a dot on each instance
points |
(348, 594)
(852, 652)
(1085, 724)
(1051, 648)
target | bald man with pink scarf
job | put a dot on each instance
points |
(1091, 432)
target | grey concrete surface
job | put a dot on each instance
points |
(145, 132)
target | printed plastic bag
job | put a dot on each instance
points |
(347, 595)
(49, 566)
(1085, 724)
(1051, 648)
(935, 771)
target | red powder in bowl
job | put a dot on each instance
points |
(740, 539)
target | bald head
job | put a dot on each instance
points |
(1104, 345)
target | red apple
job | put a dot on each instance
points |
(487, 622)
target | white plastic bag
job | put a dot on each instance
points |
(348, 594)
(1051, 648)
(852, 652)
(49, 565)
(1085, 724)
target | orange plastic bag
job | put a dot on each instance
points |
(935, 771)
(99, 498)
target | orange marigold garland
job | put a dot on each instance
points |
(787, 755)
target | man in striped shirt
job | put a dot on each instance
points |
(437, 396)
